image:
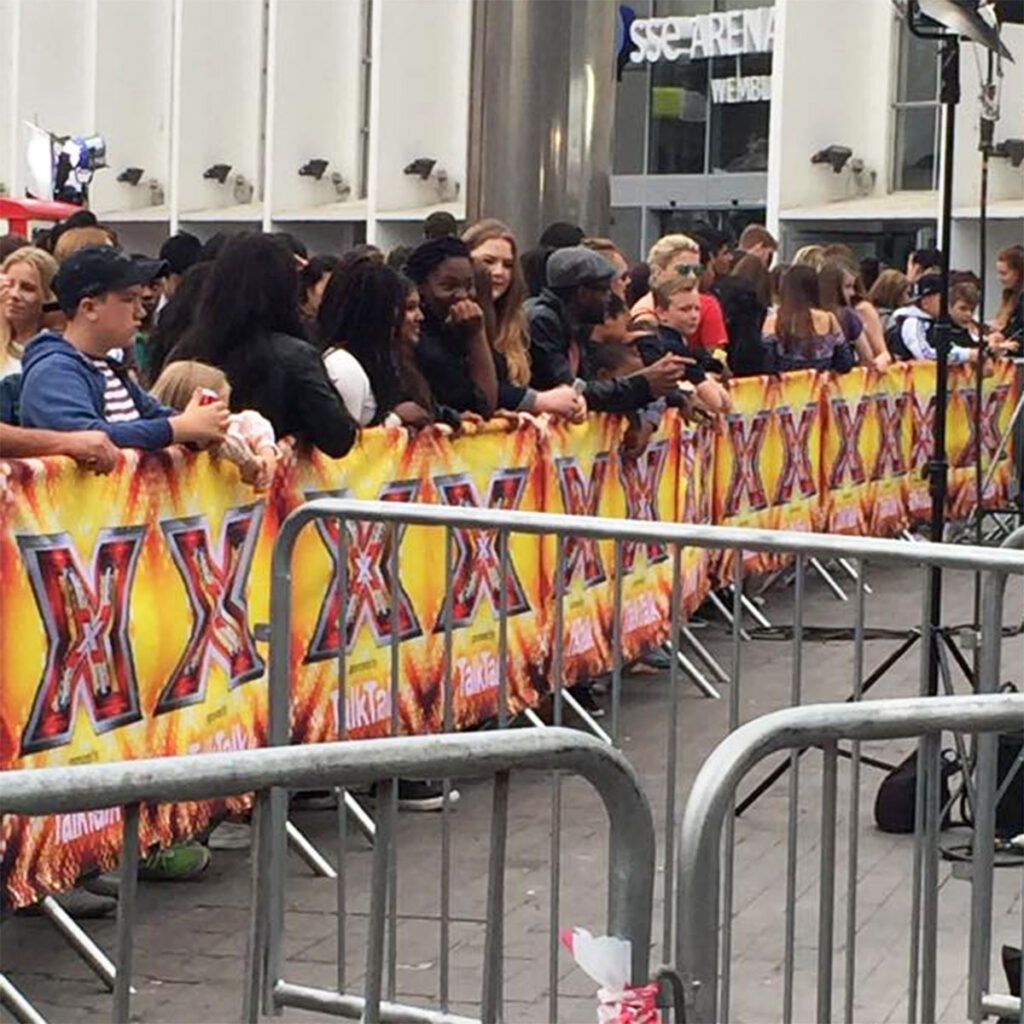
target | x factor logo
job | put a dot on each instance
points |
(991, 410)
(849, 462)
(369, 581)
(88, 651)
(922, 420)
(581, 554)
(797, 469)
(889, 461)
(747, 446)
(477, 570)
(688, 464)
(216, 586)
(641, 481)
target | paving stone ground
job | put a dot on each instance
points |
(190, 939)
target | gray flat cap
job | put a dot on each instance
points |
(577, 265)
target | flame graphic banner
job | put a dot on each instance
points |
(130, 602)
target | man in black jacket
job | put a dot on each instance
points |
(561, 319)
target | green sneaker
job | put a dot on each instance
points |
(179, 863)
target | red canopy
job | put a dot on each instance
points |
(18, 212)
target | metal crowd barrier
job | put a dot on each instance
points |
(269, 771)
(705, 905)
(806, 548)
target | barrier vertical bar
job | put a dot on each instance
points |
(126, 898)
(617, 647)
(396, 592)
(556, 781)
(930, 915)
(378, 907)
(258, 906)
(494, 941)
(503, 631)
(853, 840)
(341, 902)
(730, 824)
(446, 828)
(795, 696)
(671, 761)
(826, 905)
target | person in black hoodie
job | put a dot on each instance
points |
(745, 295)
(248, 324)
(561, 319)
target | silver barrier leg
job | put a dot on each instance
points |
(753, 611)
(723, 609)
(851, 570)
(704, 654)
(78, 939)
(534, 719)
(19, 1006)
(695, 674)
(588, 719)
(309, 853)
(828, 579)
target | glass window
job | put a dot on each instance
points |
(916, 114)
(679, 111)
(739, 131)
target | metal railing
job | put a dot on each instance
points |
(857, 553)
(269, 772)
(704, 915)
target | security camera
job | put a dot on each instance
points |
(218, 173)
(835, 156)
(313, 168)
(1012, 149)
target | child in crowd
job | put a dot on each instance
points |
(963, 301)
(71, 383)
(910, 333)
(249, 442)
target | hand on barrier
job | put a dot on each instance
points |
(92, 449)
(413, 415)
(634, 440)
(881, 362)
(564, 401)
(202, 422)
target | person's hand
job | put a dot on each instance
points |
(201, 423)
(881, 362)
(466, 313)
(564, 401)
(413, 415)
(666, 373)
(635, 439)
(1004, 345)
(266, 462)
(92, 449)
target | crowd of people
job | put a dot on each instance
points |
(238, 342)
(246, 339)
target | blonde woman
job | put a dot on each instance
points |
(679, 256)
(25, 278)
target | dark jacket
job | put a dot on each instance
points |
(62, 390)
(284, 379)
(442, 355)
(653, 346)
(744, 317)
(553, 342)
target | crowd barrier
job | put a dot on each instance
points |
(131, 602)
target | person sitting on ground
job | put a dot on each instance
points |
(453, 353)
(500, 293)
(71, 383)
(757, 240)
(800, 335)
(26, 276)
(313, 278)
(249, 441)
(890, 291)
(248, 324)
(837, 291)
(561, 319)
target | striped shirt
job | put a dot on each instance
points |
(118, 406)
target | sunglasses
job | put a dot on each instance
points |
(685, 269)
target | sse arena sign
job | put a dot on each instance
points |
(721, 34)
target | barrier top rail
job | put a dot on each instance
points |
(791, 728)
(923, 553)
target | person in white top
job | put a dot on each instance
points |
(25, 277)
(360, 316)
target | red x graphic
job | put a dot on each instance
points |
(747, 446)
(581, 554)
(88, 648)
(922, 416)
(889, 461)
(991, 410)
(849, 461)
(641, 481)
(797, 469)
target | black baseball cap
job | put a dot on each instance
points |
(925, 285)
(96, 270)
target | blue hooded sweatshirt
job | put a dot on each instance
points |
(62, 390)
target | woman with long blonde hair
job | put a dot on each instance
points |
(25, 278)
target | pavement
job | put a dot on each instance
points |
(190, 937)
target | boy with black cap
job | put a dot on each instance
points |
(909, 335)
(70, 382)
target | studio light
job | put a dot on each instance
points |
(835, 156)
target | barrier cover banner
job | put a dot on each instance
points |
(695, 504)
(965, 435)
(126, 632)
(887, 440)
(921, 409)
(848, 449)
(582, 480)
